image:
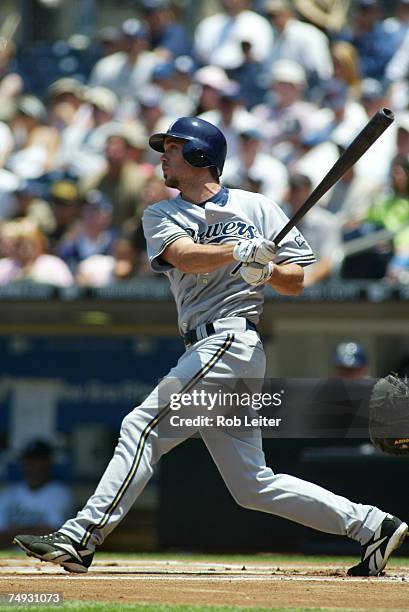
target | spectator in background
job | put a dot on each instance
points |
(328, 15)
(350, 361)
(397, 76)
(218, 38)
(64, 99)
(121, 180)
(6, 142)
(286, 116)
(175, 102)
(168, 36)
(375, 42)
(127, 71)
(250, 76)
(349, 114)
(36, 142)
(298, 41)
(64, 201)
(230, 116)
(37, 503)
(319, 227)
(402, 136)
(127, 262)
(211, 81)
(30, 203)
(351, 197)
(387, 258)
(83, 143)
(94, 234)
(11, 83)
(393, 214)
(109, 40)
(252, 164)
(28, 259)
(345, 61)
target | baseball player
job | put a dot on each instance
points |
(196, 239)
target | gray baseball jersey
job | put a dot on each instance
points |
(231, 215)
(225, 355)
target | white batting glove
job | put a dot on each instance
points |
(257, 250)
(257, 274)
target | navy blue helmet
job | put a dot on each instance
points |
(205, 145)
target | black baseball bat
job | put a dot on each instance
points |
(365, 139)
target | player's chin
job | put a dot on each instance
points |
(171, 181)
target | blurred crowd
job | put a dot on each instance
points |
(290, 83)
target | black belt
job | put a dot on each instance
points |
(191, 336)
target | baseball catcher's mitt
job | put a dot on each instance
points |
(389, 415)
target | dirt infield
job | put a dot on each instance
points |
(176, 582)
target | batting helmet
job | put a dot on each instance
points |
(205, 147)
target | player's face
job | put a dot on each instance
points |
(174, 167)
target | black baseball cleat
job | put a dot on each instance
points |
(56, 548)
(375, 554)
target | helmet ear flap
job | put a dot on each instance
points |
(196, 157)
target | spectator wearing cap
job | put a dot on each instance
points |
(151, 113)
(168, 36)
(253, 166)
(298, 41)
(286, 115)
(64, 99)
(36, 143)
(121, 180)
(230, 116)
(349, 114)
(82, 144)
(152, 116)
(38, 502)
(175, 102)
(109, 40)
(320, 228)
(373, 96)
(375, 42)
(211, 80)
(94, 234)
(350, 360)
(63, 197)
(28, 258)
(127, 71)
(375, 164)
(217, 39)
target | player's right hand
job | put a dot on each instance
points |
(257, 250)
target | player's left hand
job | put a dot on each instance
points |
(257, 274)
(258, 250)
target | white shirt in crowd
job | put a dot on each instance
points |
(124, 78)
(218, 38)
(305, 44)
(268, 171)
